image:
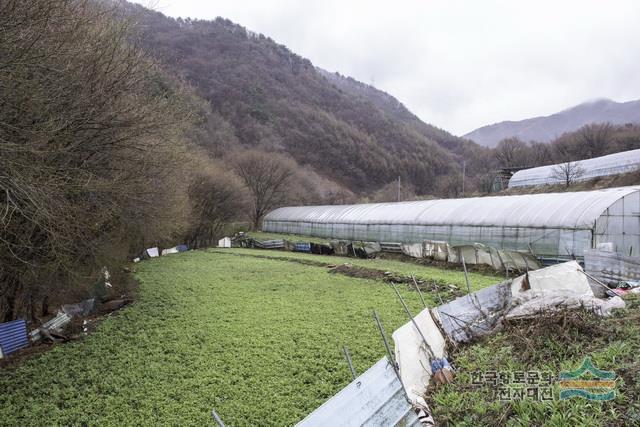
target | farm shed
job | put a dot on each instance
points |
(552, 225)
(612, 164)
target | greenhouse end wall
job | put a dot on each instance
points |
(550, 225)
(620, 224)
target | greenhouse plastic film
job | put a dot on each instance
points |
(612, 164)
(554, 224)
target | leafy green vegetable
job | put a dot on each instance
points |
(258, 339)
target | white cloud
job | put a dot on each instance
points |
(457, 64)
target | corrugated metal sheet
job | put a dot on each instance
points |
(13, 336)
(56, 324)
(612, 164)
(375, 398)
(391, 247)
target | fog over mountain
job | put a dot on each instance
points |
(547, 128)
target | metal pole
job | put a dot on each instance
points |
(216, 417)
(347, 356)
(390, 357)
(398, 187)
(406, 309)
(438, 294)
(384, 339)
(419, 291)
(466, 276)
(596, 280)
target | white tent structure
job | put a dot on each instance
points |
(550, 225)
(612, 164)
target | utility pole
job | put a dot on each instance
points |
(464, 167)
(398, 187)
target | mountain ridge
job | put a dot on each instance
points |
(268, 97)
(550, 127)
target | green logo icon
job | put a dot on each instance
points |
(588, 382)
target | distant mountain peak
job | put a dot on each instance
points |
(547, 128)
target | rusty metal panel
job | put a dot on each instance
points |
(375, 398)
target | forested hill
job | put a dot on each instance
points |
(261, 94)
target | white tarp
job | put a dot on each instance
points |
(168, 251)
(152, 252)
(559, 286)
(412, 356)
(225, 242)
(412, 249)
(436, 249)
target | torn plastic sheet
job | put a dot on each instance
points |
(475, 314)
(414, 250)
(80, 309)
(413, 357)
(152, 252)
(169, 251)
(561, 285)
(436, 249)
(499, 259)
(340, 247)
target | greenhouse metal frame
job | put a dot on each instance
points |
(549, 225)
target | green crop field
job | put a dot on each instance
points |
(424, 272)
(260, 340)
(258, 336)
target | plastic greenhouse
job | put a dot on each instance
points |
(613, 164)
(551, 225)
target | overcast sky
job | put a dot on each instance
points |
(456, 64)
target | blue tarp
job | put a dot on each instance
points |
(182, 248)
(13, 336)
(302, 247)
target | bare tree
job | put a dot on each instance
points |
(593, 139)
(568, 172)
(217, 197)
(267, 176)
(90, 147)
(511, 152)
